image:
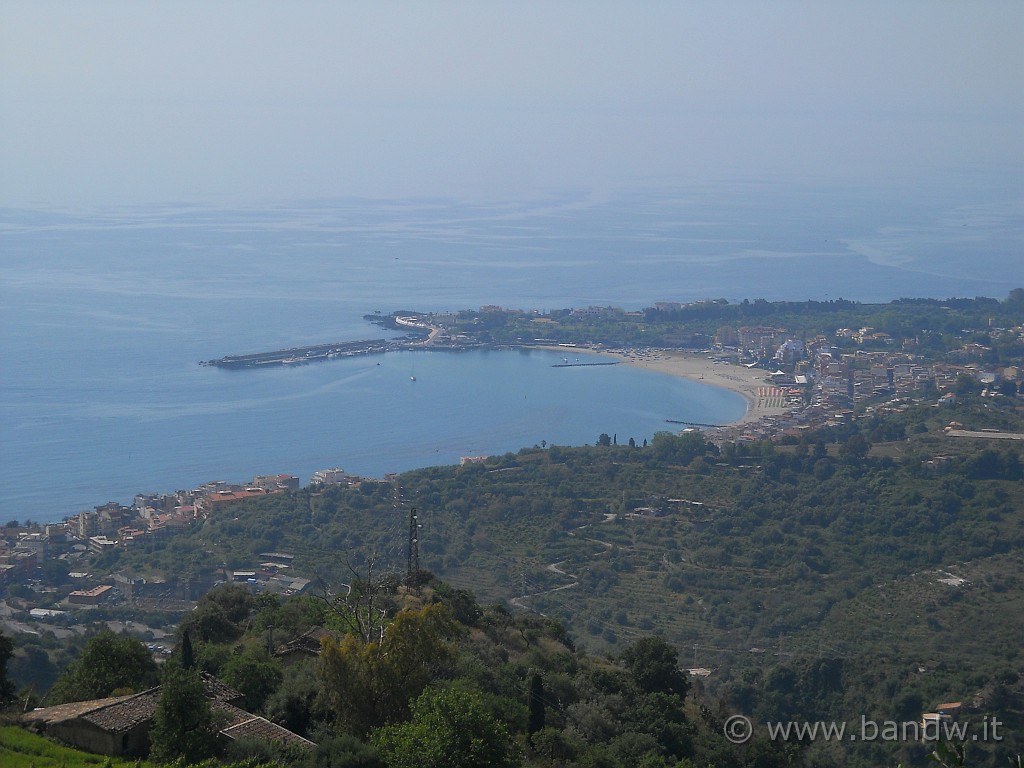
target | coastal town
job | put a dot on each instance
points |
(53, 573)
(144, 568)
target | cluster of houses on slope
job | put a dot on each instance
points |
(69, 609)
(824, 379)
(876, 362)
(24, 550)
(120, 725)
(821, 380)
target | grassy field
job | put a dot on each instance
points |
(22, 749)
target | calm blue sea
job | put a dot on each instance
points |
(105, 313)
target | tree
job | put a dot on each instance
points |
(461, 602)
(678, 449)
(654, 665)
(183, 724)
(966, 385)
(537, 718)
(856, 447)
(449, 729)
(1007, 387)
(253, 674)
(6, 686)
(368, 684)
(343, 751)
(219, 615)
(55, 571)
(33, 669)
(363, 608)
(188, 659)
(296, 704)
(110, 663)
(604, 439)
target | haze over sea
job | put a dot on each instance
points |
(105, 313)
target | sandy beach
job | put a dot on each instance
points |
(752, 383)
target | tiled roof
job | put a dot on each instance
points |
(117, 714)
(218, 690)
(256, 727)
(123, 713)
(127, 714)
(60, 712)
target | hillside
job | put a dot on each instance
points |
(21, 749)
(757, 561)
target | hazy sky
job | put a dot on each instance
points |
(137, 102)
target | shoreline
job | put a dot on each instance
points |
(749, 383)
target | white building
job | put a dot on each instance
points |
(330, 477)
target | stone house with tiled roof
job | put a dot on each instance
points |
(113, 726)
(120, 725)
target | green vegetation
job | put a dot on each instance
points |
(38, 661)
(371, 683)
(502, 689)
(217, 617)
(936, 326)
(110, 665)
(183, 727)
(448, 729)
(870, 568)
(6, 686)
(21, 749)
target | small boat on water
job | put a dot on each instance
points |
(412, 378)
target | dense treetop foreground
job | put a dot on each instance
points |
(437, 680)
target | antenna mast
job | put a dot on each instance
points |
(413, 567)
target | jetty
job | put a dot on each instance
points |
(301, 355)
(695, 423)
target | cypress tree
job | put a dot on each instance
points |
(536, 720)
(187, 656)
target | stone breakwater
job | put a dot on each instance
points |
(302, 355)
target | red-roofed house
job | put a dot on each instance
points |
(210, 503)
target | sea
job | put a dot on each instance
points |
(105, 314)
